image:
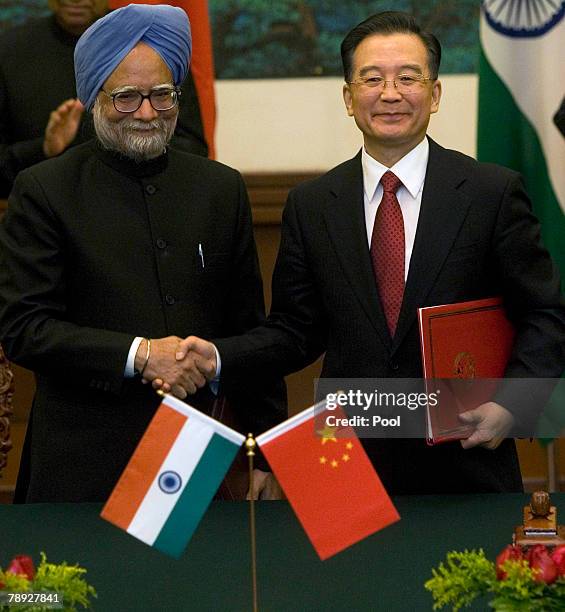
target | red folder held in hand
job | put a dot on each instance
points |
(465, 348)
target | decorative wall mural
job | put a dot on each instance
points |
(290, 38)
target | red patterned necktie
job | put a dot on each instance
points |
(387, 250)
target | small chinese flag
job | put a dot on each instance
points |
(328, 479)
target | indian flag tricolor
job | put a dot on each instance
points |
(172, 476)
(521, 90)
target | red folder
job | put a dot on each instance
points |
(462, 344)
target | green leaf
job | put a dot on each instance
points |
(65, 579)
(462, 578)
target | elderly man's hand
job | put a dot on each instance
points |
(492, 423)
(165, 371)
(197, 357)
(191, 369)
(62, 127)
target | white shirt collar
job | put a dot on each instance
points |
(411, 170)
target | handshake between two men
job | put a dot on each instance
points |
(181, 367)
(178, 366)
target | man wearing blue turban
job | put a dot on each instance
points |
(112, 252)
(43, 73)
(105, 44)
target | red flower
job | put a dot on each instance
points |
(539, 560)
(510, 552)
(558, 556)
(22, 564)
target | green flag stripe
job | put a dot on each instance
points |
(506, 137)
(196, 496)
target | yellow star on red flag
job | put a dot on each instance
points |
(334, 460)
(328, 433)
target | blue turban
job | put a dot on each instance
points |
(107, 42)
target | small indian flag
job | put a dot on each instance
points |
(172, 476)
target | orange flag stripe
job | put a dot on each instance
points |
(143, 466)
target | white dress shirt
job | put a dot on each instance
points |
(411, 170)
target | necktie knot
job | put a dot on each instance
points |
(390, 182)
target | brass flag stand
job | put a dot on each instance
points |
(250, 445)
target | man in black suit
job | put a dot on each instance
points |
(113, 251)
(405, 224)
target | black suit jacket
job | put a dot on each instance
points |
(95, 250)
(476, 237)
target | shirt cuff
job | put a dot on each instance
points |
(214, 384)
(129, 371)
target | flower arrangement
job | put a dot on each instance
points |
(526, 579)
(48, 587)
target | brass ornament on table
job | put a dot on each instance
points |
(540, 523)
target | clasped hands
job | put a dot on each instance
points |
(178, 366)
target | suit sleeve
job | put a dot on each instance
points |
(34, 327)
(259, 400)
(295, 332)
(532, 295)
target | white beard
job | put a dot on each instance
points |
(133, 138)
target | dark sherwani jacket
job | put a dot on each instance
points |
(95, 250)
(476, 238)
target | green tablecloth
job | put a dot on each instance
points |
(384, 572)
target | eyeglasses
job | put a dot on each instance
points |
(160, 99)
(403, 83)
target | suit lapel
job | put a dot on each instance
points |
(442, 212)
(345, 220)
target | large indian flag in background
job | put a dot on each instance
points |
(521, 87)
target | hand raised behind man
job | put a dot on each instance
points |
(62, 127)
